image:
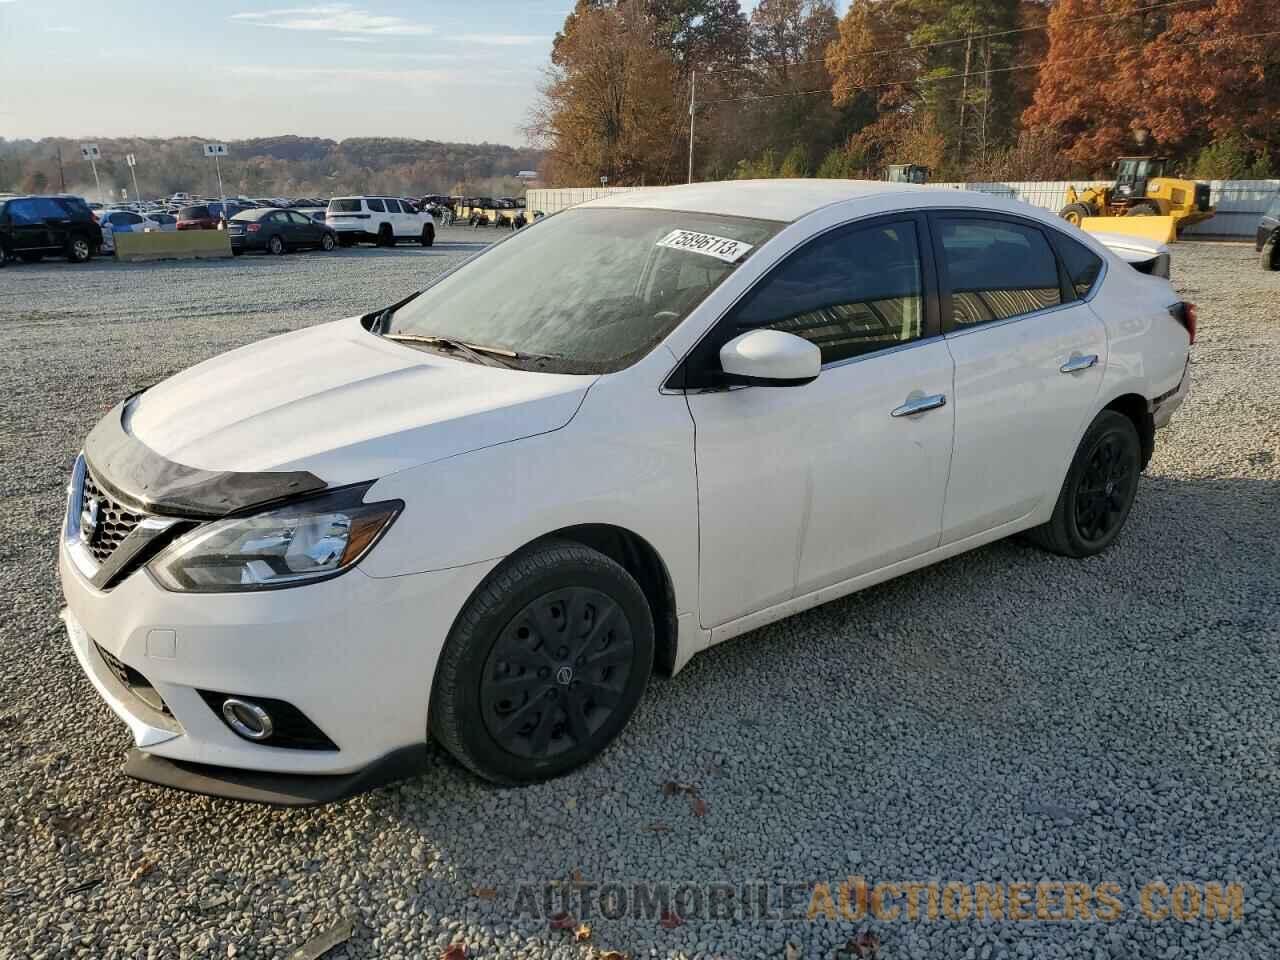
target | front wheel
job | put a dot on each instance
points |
(428, 235)
(1270, 258)
(1075, 212)
(327, 242)
(1098, 492)
(544, 665)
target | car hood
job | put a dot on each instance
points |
(344, 405)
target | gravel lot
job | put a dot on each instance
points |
(1006, 716)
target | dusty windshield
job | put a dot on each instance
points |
(585, 291)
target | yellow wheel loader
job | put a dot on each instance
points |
(1141, 189)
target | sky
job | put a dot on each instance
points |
(230, 69)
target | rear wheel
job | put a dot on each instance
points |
(345, 241)
(276, 245)
(1099, 489)
(1075, 212)
(428, 235)
(1143, 209)
(79, 250)
(544, 665)
(1269, 258)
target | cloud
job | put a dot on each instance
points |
(505, 39)
(53, 29)
(333, 18)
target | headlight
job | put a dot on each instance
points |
(291, 545)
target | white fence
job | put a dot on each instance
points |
(1240, 203)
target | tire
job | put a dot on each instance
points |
(519, 611)
(1075, 212)
(79, 249)
(1143, 209)
(237, 253)
(276, 245)
(345, 241)
(1268, 258)
(428, 235)
(1098, 492)
(327, 243)
(385, 237)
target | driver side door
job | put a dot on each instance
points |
(802, 488)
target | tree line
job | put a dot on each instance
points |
(973, 89)
(269, 167)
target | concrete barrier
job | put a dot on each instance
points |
(176, 245)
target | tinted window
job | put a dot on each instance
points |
(1083, 265)
(344, 206)
(393, 206)
(850, 292)
(193, 213)
(298, 218)
(75, 207)
(997, 270)
(376, 206)
(47, 208)
(24, 211)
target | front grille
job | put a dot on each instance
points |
(115, 521)
(134, 681)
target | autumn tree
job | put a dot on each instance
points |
(608, 106)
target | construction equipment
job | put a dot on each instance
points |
(906, 173)
(1141, 189)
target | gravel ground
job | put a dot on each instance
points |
(1006, 716)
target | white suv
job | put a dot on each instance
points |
(381, 220)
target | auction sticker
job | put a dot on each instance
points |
(722, 248)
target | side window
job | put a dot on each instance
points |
(852, 291)
(25, 211)
(1083, 265)
(997, 270)
(49, 209)
(393, 206)
(298, 219)
(376, 206)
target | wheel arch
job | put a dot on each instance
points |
(1138, 409)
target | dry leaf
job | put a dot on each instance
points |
(614, 955)
(671, 788)
(658, 828)
(792, 952)
(670, 920)
(698, 806)
(562, 921)
(455, 951)
(865, 945)
(144, 869)
(583, 933)
(577, 875)
(484, 893)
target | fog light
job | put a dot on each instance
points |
(247, 719)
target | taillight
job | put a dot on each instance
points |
(1185, 313)
(254, 227)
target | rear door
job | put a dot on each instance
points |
(1029, 357)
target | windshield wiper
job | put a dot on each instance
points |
(479, 353)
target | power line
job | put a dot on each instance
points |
(981, 73)
(977, 36)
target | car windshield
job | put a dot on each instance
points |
(588, 290)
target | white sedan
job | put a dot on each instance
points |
(637, 429)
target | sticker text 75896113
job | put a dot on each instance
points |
(722, 248)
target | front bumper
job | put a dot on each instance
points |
(355, 654)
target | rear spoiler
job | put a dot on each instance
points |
(1146, 256)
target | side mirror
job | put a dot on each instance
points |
(770, 358)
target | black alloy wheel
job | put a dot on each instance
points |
(1105, 489)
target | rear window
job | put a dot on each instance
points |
(1083, 265)
(345, 206)
(193, 213)
(376, 206)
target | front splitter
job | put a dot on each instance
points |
(275, 789)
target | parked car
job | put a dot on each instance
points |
(121, 221)
(488, 512)
(33, 227)
(278, 231)
(164, 222)
(206, 216)
(381, 220)
(1268, 239)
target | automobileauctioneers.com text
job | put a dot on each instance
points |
(859, 899)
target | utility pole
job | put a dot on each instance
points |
(62, 173)
(693, 89)
(964, 96)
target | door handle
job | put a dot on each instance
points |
(916, 405)
(1077, 363)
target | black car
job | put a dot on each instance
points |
(1268, 241)
(33, 227)
(278, 231)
